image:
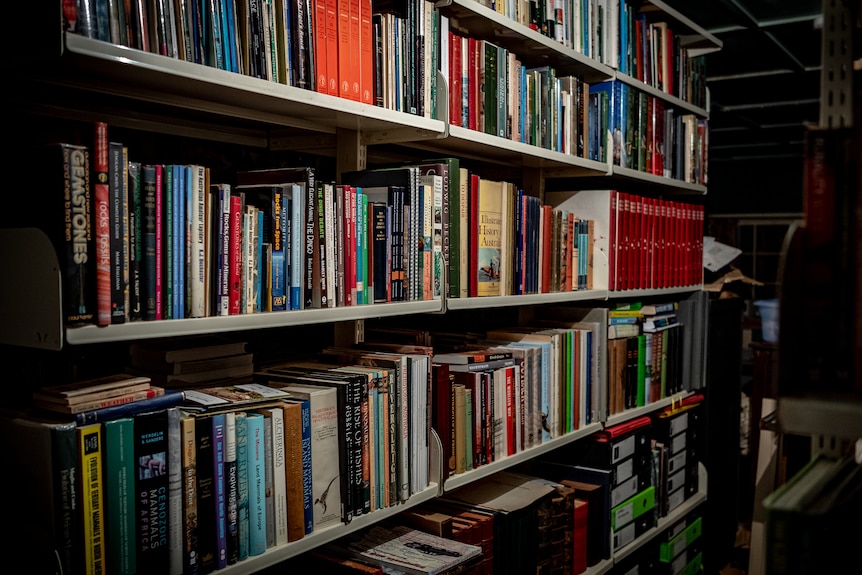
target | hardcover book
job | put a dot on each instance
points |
(189, 494)
(151, 484)
(119, 476)
(92, 497)
(256, 484)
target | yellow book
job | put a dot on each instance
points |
(490, 237)
(90, 459)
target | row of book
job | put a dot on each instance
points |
(231, 471)
(356, 50)
(518, 245)
(652, 243)
(620, 34)
(647, 135)
(162, 241)
(493, 92)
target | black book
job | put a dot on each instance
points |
(116, 203)
(136, 310)
(206, 495)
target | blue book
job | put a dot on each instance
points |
(220, 499)
(225, 17)
(295, 238)
(256, 485)
(624, 38)
(169, 399)
(242, 483)
(180, 241)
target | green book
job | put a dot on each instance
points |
(642, 354)
(120, 469)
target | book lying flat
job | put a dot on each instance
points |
(410, 551)
(89, 386)
(222, 397)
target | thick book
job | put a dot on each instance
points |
(219, 489)
(102, 223)
(45, 451)
(151, 485)
(307, 487)
(242, 485)
(275, 417)
(206, 507)
(119, 474)
(116, 201)
(231, 489)
(293, 470)
(325, 462)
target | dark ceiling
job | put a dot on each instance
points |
(764, 87)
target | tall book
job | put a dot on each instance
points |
(102, 223)
(220, 498)
(275, 417)
(206, 510)
(117, 200)
(46, 452)
(190, 495)
(326, 472)
(78, 246)
(242, 485)
(151, 484)
(307, 474)
(293, 472)
(135, 211)
(91, 497)
(231, 489)
(119, 477)
(175, 493)
(256, 458)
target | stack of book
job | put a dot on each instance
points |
(86, 400)
(194, 362)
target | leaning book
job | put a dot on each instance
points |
(406, 550)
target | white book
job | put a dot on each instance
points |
(326, 473)
(175, 493)
(275, 419)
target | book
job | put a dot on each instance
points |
(80, 407)
(470, 356)
(256, 458)
(325, 463)
(151, 484)
(206, 495)
(88, 389)
(175, 492)
(190, 494)
(162, 354)
(275, 417)
(231, 472)
(219, 489)
(489, 237)
(102, 223)
(410, 551)
(46, 453)
(230, 397)
(119, 475)
(294, 478)
(76, 245)
(91, 497)
(169, 399)
(242, 485)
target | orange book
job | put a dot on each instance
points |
(355, 60)
(321, 44)
(344, 48)
(331, 24)
(366, 53)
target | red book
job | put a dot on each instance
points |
(646, 241)
(613, 241)
(571, 272)
(455, 95)
(474, 89)
(321, 83)
(349, 255)
(355, 48)
(102, 225)
(547, 225)
(160, 189)
(511, 419)
(344, 73)
(473, 207)
(236, 254)
(366, 52)
(330, 24)
(441, 414)
(623, 239)
(579, 538)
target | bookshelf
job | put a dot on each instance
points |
(74, 80)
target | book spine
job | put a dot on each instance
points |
(136, 304)
(256, 484)
(160, 242)
(206, 509)
(91, 497)
(293, 471)
(242, 485)
(175, 493)
(219, 499)
(231, 490)
(168, 399)
(79, 273)
(151, 449)
(307, 471)
(115, 190)
(235, 259)
(311, 246)
(102, 220)
(278, 221)
(190, 499)
(119, 500)
(198, 251)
